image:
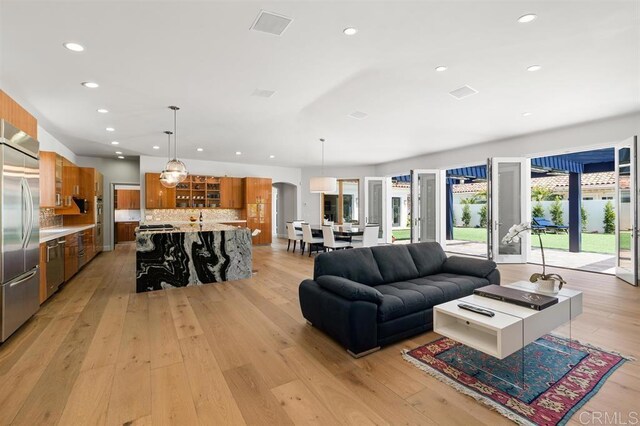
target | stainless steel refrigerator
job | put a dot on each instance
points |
(19, 227)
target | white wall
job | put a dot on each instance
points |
(49, 143)
(311, 202)
(595, 134)
(277, 174)
(114, 171)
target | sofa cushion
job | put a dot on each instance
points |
(350, 290)
(354, 264)
(407, 297)
(395, 263)
(428, 257)
(468, 266)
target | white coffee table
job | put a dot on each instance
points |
(512, 327)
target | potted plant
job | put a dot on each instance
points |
(545, 283)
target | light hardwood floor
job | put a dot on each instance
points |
(241, 353)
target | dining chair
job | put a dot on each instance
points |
(369, 237)
(330, 239)
(292, 235)
(308, 240)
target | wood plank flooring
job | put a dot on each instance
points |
(241, 353)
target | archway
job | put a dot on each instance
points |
(285, 202)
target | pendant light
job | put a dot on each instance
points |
(321, 184)
(175, 168)
(168, 180)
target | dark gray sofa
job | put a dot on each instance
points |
(371, 297)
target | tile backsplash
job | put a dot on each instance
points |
(180, 215)
(49, 218)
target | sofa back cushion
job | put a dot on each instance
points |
(356, 265)
(428, 257)
(395, 263)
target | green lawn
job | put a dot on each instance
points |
(402, 234)
(595, 243)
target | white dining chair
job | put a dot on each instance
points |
(330, 239)
(369, 237)
(308, 240)
(292, 235)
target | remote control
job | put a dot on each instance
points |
(476, 309)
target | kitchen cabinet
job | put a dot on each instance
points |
(70, 256)
(89, 247)
(50, 196)
(258, 190)
(70, 183)
(231, 193)
(11, 111)
(157, 196)
(127, 199)
(125, 231)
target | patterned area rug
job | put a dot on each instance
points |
(560, 376)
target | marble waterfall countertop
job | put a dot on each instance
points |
(192, 255)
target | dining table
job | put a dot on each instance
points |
(341, 232)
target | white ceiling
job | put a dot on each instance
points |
(202, 57)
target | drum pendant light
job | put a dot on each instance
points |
(175, 169)
(168, 180)
(321, 184)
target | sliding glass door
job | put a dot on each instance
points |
(626, 167)
(509, 201)
(428, 206)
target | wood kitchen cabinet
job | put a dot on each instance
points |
(48, 196)
(70, 256)
(127, 199)
(231, 193)
(125, 231)
(258, 190)
(258, 208)
(157, 196)
(70, 183)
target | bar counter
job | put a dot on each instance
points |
(191, 255)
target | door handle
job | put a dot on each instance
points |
(22, 278)
(48, 250)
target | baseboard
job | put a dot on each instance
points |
(365, 353)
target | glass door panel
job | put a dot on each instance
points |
(626, 212)
(509, 205)
(428, 206)
(375, 190)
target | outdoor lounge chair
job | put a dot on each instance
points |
(541, 224)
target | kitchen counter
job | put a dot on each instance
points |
(188, 222)
(190, 255)
(48, 234)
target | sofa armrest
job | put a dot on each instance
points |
(468, 266)
(350, 290)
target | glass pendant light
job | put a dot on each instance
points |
(175, 168)
(168, 180)
(322, 184)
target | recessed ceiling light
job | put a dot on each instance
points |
(90, 84)
(118, 152)
(526, 114)
(199, 149)
(110, 129)
(74, 47)
(534, 68)
(527, 18)
(121, 157)
(441, 68)
(349, 31)
(238, 153)
(102, 110)
(115, 143)
(272, 156)
(156, 147)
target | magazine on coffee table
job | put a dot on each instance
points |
(517, 297)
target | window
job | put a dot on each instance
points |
(343, 206)
(396, 203)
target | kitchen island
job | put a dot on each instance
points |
(191, 255)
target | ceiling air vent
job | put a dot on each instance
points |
(272, 23)
(463, 92)
(358, 115)
(263, 93)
